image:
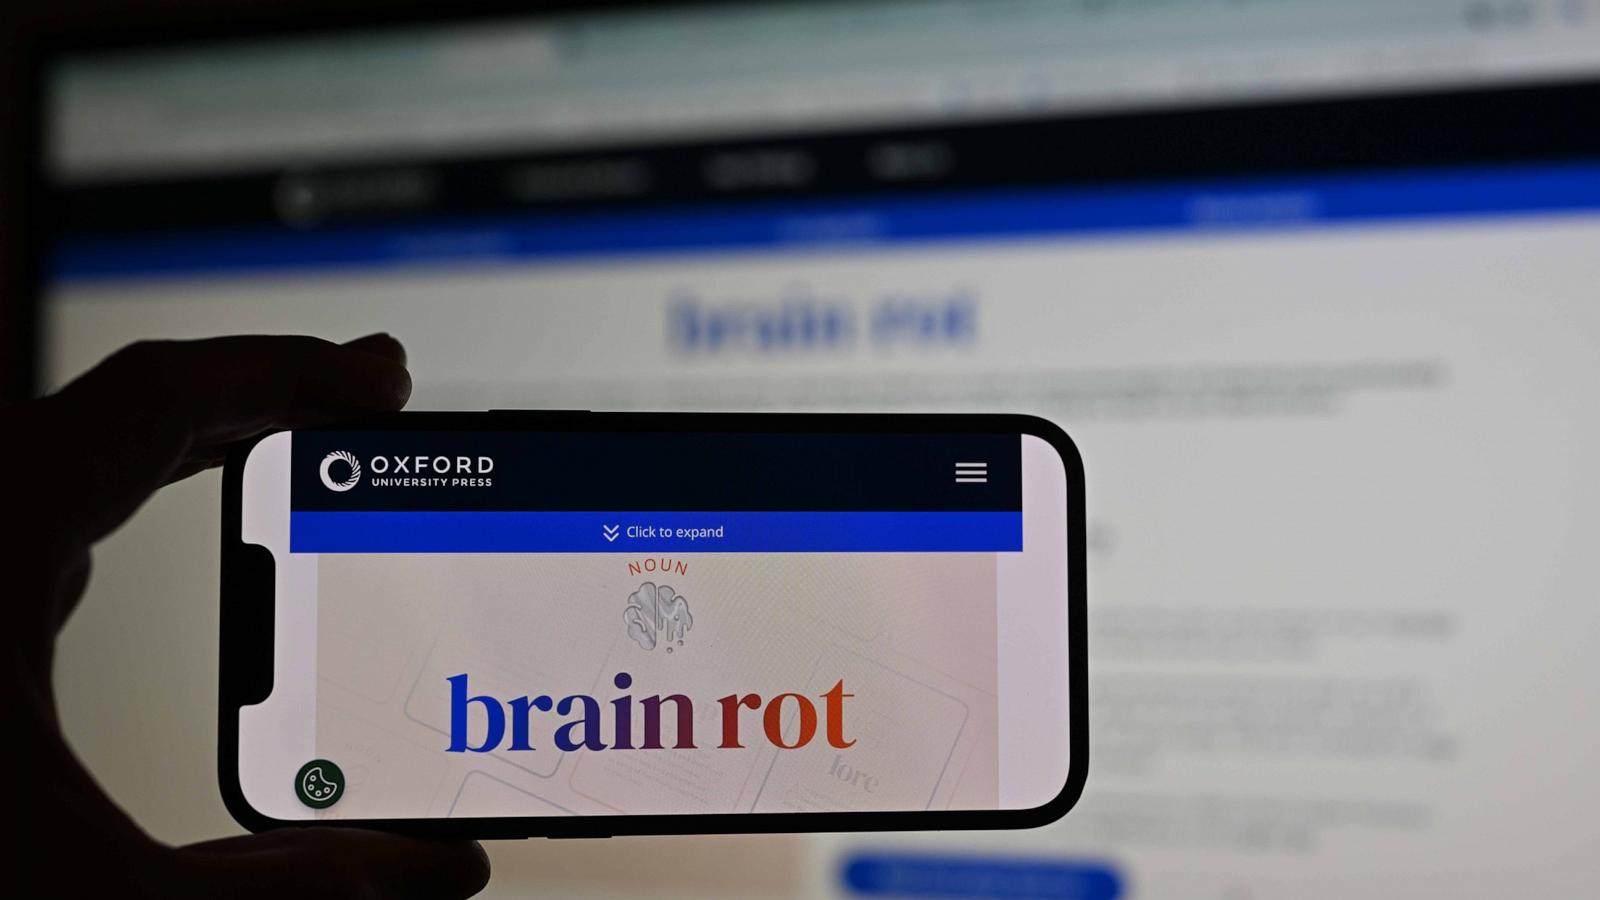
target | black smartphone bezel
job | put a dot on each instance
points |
(243, 640)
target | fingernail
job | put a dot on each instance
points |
(380, 343)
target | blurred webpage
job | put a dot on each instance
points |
(1340, 498)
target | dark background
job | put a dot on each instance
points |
(29, 29)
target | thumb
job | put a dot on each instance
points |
(325, 863)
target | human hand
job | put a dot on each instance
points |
(82, 461)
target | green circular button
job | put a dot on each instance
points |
(319, 784)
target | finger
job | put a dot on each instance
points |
(380, 344)
(154, 409)
(204, 457)
(333, 864)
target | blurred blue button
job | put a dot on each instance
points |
(926, 875)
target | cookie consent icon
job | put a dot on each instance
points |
(319, 784)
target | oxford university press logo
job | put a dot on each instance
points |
(327, 471)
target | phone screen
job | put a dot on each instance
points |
(515, 624)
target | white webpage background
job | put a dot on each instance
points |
(918, 662)
(1342, 519)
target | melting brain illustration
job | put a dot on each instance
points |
(657, 615)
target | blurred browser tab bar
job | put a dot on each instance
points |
(304, 199)
(626, 77)
(764, 168)
(579, 180)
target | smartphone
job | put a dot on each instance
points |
(518, 624)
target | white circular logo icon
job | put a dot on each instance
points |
(349, 459)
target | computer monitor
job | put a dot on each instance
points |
(1312, 285)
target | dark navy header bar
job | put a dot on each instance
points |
(570, 470)
(573, 491)
(1496, 152)
(1215, 205)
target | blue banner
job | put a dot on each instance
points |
(655, 532)
(965, 876)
